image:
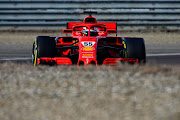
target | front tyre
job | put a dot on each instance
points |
(43, 46)
(135, 48)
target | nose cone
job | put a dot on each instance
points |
(87, 50)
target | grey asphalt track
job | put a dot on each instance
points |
(170, 59)
(164, 59)
(156, 53)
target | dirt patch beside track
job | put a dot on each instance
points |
(27, 36)
(102, 93)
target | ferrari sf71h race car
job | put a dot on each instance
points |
(88, 44)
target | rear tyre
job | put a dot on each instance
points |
(44, 46)
(135, 48)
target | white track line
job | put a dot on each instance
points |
(7, 59)
(164, 54)
(148, 55)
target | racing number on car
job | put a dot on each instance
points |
(88, 44)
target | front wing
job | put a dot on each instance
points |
(67, 61)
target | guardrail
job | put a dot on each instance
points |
(147, 14)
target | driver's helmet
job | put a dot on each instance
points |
(93, 32)
(84, 32)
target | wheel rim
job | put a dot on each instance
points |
(34, 53)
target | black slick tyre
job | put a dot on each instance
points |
(44, 46)
(135, 48)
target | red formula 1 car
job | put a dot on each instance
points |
(88, 44)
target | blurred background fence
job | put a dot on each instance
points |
(136, 14)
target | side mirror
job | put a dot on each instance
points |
(111, 31)
(67, 30)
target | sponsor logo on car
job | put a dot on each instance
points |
(88, 48)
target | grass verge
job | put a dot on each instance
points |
(105, 92)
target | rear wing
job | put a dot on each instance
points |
(71, 24)
(111, 27)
